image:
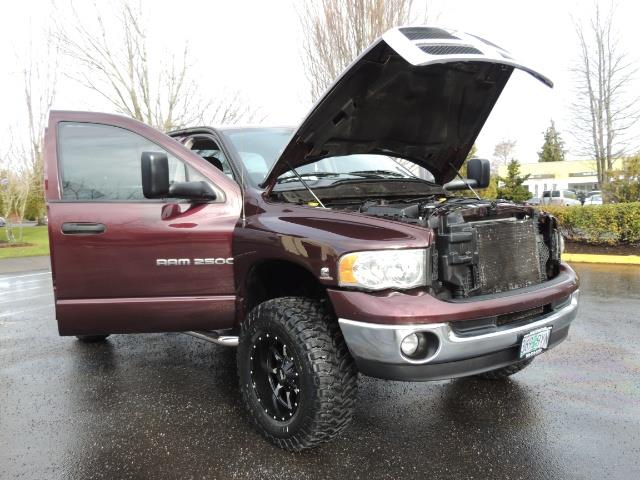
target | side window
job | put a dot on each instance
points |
(102, 162)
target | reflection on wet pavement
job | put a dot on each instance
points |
(166, 405)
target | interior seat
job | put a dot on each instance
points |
(215, 162)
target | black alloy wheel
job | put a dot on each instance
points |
(275, 376)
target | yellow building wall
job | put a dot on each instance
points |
(569, 174)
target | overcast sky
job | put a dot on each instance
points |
(253, 46)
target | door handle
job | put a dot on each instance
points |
(79, 228)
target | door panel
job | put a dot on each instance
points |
(131, 264)
(136, 315)
(135, 238)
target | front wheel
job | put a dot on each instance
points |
(297, 378)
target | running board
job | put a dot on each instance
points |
(215, 337)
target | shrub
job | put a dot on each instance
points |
(609, 224)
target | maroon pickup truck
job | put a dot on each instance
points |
(322, 251)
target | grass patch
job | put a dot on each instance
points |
(36, 237)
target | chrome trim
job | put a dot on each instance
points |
(215, 337)
(381, 343)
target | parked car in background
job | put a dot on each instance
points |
(2, 222)
(593, 200)
(560, 197)
(593, 192)
(533, 201)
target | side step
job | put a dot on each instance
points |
(215, 337)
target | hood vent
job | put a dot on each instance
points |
(427, 33)
(449, 49)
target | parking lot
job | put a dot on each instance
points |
(167, 405)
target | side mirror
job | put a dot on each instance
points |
(155, 174)
(479, 169)
(155, 181)
(192, 190)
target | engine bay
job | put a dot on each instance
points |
(482, 247)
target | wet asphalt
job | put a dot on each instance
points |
(167, 405)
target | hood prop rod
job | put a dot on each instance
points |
(305, 185)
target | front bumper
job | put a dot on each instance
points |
(376, 347)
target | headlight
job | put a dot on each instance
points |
(381, 269)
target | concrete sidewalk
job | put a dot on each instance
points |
(24, 264)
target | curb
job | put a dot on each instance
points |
(610, 259)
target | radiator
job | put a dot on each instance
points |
(508, 255)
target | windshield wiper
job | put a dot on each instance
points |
(310, 174)
(378, 173)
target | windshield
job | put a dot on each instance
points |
(260, 148)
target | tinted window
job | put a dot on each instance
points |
(101, 162)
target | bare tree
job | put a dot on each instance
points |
(603, 108)
(40, 83)
(22, 163)
(503, 152)
(15, 184)
(336, 32)
(117, 65)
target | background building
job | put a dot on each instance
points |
(577, 175)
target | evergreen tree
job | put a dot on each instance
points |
(36, 207)
(624, 184)
(513, 188)
(553, 146)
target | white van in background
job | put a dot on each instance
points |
(560, 197)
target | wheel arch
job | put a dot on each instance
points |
(274, 278)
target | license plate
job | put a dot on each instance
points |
(535, 342)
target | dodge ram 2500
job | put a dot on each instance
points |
(322, 251)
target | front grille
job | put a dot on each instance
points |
(483, 326)
(508, 255)
(509, 318)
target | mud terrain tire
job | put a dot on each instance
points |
(319, 366)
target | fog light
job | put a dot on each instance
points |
(410, 344)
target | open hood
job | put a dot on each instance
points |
(419, 93)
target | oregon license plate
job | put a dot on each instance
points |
(535, 342)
